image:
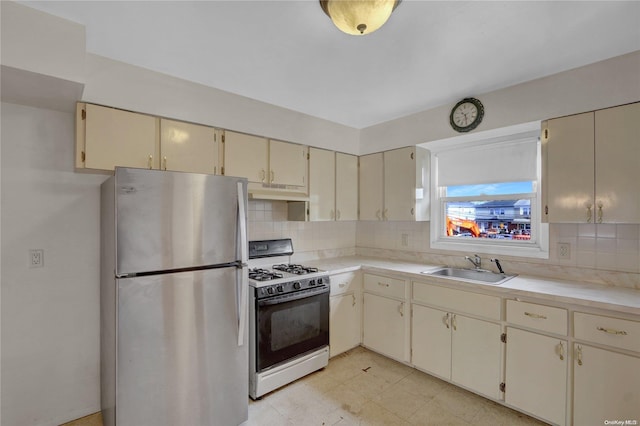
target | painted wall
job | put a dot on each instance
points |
(50, 315)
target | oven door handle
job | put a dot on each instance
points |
(291, 297)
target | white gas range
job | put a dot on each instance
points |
(289, 317)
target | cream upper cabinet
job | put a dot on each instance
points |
(346, 187)
(246, 156)
(371, 177)
(287, 163)
(590, 171)
(109, 137)
(187, 147)
(617, 138)
(322, 185)
(399, 184)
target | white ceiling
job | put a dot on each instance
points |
(288, 53)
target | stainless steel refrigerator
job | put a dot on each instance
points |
(173, 299)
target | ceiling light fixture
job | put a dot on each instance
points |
(359, 17)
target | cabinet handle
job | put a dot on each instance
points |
(401, 309)
(262, 175)
(384, 214)
(383, 284)
(454, 323)
(589, 213)
(150, 162)
(599, 211)
(612, 331)
(445, 319)
(411, 211)
(579, 354)
(337, 214)
(561, 351)
(353, 303)
(164, 163)
(378, 214)
(273, 176)
(532, 315)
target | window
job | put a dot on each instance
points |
(485, 193)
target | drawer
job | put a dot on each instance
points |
(458, 300)
(344, 283)
(391, 287)
(624, 334)
(539, 317)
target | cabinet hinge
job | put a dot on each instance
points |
(222, 170)
(222, 138)
(84, 114)
(546, 133)
(503, 337)
(308, 155)
(82, 156)
(503, 386)
(307, 212)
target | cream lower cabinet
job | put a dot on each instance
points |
(463, 350)
(345, 312)
(536, 374)
(385, 319)
(109, 137)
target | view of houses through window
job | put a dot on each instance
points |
(501, 211)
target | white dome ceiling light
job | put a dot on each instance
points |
(359, 17)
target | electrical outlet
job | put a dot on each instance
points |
(36, 258)
(564, 251)
(405, 240)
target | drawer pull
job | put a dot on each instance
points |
(383, 284)
(532, 315)
(579, 354)
(612, 331)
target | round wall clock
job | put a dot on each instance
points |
(466, 115)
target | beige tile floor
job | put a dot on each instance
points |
(361, 387)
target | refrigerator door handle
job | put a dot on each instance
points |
(244, 281)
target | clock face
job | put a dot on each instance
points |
(466, 115)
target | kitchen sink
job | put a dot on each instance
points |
(473, 275)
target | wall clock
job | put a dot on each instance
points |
(466, 115)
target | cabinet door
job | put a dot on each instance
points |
(245, 156)
(569, 165)
(344, 323)
(536, 374)
(431, 340)
(187, 147)
(287, 163)
(617, 136)
(476, 355)
(605, 386)
(383, 325)
(322, 185)
(371, 178)
(399, 184)
(119, 138)
(346, 187)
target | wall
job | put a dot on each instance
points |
(50, 315)
(605, 254)
(603, 84)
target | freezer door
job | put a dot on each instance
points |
(178, 358)
(173, 220)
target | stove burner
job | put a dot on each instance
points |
(259, 274)
(295, 269)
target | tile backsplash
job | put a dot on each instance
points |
(599, 253)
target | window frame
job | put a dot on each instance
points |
(538, 246)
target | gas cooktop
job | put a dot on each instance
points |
(281, 270)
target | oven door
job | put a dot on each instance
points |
(291, 325)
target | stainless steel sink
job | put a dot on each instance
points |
(473, 275)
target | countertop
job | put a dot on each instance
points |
(618, 299)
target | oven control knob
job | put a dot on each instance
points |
(319, 280)
(296, 285)
(312, 283)
(280, 289)
(270, 290)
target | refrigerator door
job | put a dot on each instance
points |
(172, 220)
(179, 362)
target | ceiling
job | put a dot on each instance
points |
(288, 53)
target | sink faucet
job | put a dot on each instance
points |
(497, 262)
(477, 261)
